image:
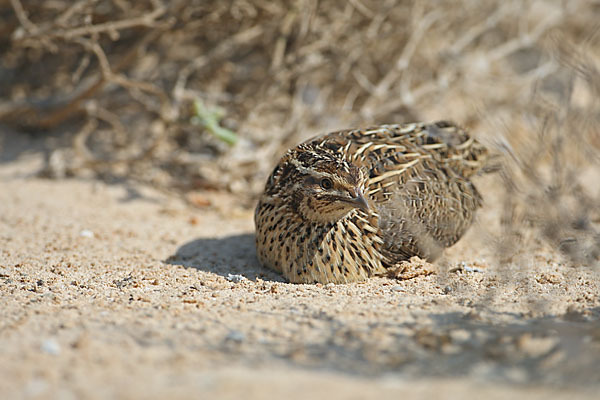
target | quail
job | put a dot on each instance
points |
(348, 205)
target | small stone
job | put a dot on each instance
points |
(86, 234)
(463, 267)
(235, 336)
(460, 335)
(50, 346)
(235, 278)
(398, 288)
(447, 289)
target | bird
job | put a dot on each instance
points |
(352, 204)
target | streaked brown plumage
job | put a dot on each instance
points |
(347, 205)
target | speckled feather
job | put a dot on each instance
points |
(415, 178)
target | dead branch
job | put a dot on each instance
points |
(53, 32)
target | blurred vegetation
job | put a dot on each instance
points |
(121, 82)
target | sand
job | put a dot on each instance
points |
(121, 291)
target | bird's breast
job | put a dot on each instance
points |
(343, 251)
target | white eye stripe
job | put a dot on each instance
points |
(337, 193)
(311, 172)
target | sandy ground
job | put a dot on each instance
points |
(118, 291)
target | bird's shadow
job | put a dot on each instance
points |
(229, 255)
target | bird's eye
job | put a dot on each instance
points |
(326, 183)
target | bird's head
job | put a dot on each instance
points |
(319, 184)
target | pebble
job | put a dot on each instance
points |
(460, 335)
(50, 346)
(398, 288)
(235, 278)
(235, 336)
(86, 233)
(466, 268)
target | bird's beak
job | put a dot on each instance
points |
(361, 201)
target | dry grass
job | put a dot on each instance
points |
(118, 79)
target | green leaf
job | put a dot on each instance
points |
(210, 118)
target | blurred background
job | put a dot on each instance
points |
(196, 95)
